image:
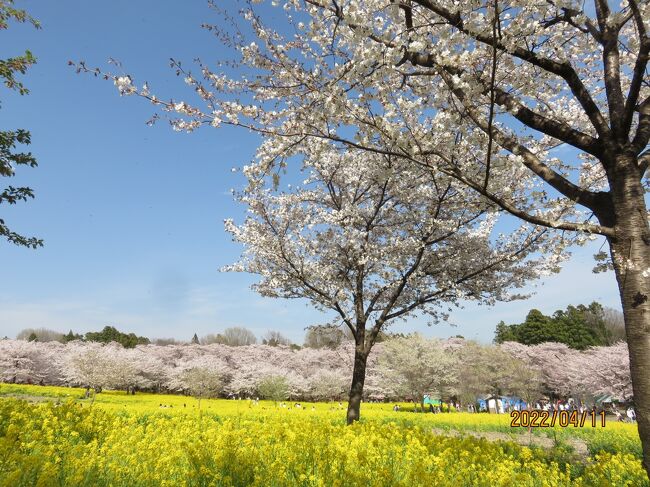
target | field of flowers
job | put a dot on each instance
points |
(152, 440)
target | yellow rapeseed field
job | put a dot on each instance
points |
(151, 440)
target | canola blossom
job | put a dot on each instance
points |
(132, 440)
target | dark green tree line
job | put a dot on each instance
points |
(578, 327)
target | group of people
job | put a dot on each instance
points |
(630, 414)
(569, 405)
(297, 406)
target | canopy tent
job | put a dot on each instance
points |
(430, 400)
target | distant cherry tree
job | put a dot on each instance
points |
(30, 362)
(414, 366)
(601, 372)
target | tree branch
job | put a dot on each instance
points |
(611, 70)
(557, 181)
(642, 136)
(563, 70)
(640, 66)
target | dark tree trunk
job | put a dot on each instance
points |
(358, 379)
(630, 253)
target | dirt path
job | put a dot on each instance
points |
(579, 446)
(30, 398)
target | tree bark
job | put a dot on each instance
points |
(630, 253)
(358, 379)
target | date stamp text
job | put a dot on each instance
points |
(548, 419)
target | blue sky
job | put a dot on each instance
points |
(132, 215)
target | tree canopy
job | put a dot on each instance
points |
(275, 338)
(324, 336)
(112, 334)
(371, 242)
(579, 327)
(41, 334)
(415, 366)
(235, 336)
(9, 139)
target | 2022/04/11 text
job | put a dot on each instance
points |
(549, 419)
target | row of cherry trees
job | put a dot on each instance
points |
(400, 368)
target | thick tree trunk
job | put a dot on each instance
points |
(630, 252)
(358, 379)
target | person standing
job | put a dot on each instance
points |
(631, 414)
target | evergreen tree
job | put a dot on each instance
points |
(579, 327)
(111, 334)
(70, 337)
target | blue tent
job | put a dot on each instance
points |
(429, 400)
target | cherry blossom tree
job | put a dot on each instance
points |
(551, 361)
(29, 362)
(252, 364)
(201, 376)
(373, 241)
(135, 368)
(202, 382)
(597, 371)
(151, 368)
(601, 371)
(414, 366)
(323, 374)
(107, 366)
(86, 365)
(121, 369)
(328, 384)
